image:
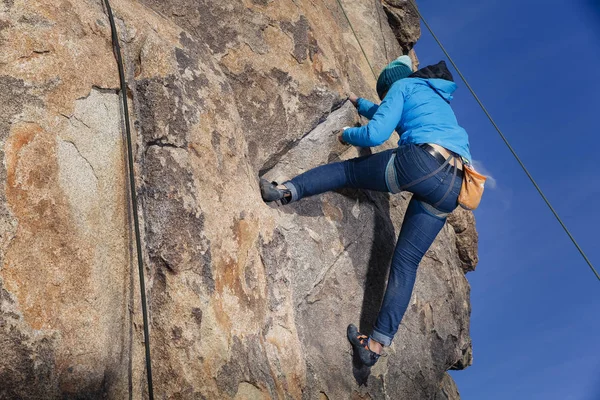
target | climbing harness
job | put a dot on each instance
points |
(132, 193)
(514, 153)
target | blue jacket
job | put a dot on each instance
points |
(415, 108)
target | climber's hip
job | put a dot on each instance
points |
(433, 180)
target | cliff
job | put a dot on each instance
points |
(246, 301)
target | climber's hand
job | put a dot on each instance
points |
(353, 99)
(340, 138)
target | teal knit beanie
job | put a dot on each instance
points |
(398, 69)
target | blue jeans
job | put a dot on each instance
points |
(433, 199)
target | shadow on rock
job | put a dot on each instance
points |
(381, 252)
(380, 255)
(360, 371)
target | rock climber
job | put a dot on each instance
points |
(427, 162)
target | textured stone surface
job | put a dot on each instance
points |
(467, 239)
(246, 300)
(448, 389)
(404, 21)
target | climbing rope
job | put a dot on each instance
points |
(514, 153)
(132, 193)
(357, 40)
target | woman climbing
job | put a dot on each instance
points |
(427, 162)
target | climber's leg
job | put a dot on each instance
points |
(422, 223)
(367, 172)
(419, 230)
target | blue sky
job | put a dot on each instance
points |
(536, 304)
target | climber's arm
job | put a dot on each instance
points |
(366, 108)
(382, 124)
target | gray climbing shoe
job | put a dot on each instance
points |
(360, 346)
(270, 192)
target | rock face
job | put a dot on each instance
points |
(246, 301)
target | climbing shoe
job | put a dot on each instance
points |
(360, 345)
(270, 192)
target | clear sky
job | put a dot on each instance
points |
(536, 304)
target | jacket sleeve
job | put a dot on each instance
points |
(366, 108)
(382, 124)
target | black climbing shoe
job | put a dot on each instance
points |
(270, 192)
(360, 345)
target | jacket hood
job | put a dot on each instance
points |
(439, 71)
(443, 87)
